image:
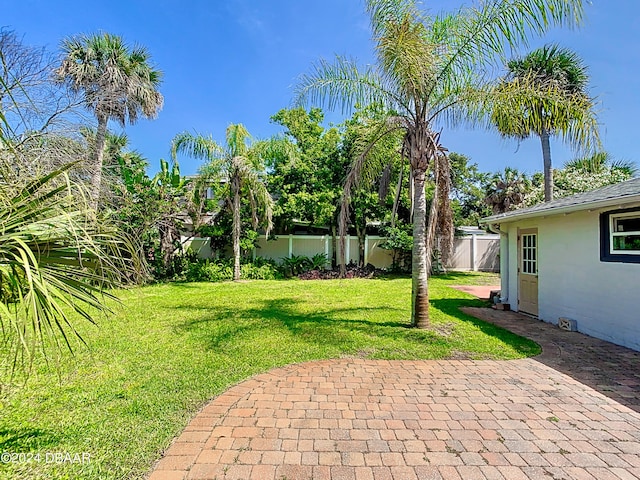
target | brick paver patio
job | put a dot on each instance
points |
(570, 413)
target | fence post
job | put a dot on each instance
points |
(474, 252)
(326, 248)
(366, 250)
(290, 245)
(347, 256)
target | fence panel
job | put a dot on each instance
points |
(471, 252)
(488, 254)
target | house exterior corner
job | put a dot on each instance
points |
(572, 279)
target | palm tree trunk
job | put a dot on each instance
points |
(548, 171)
(95, 169)
(419, 270)
(361, 233)
(235, 188)
(334, 247)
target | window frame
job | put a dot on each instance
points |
(607, 234)
(529, 253)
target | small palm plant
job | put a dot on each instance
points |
(56, 260)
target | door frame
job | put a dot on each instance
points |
(532, 261)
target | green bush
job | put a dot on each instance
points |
(266, 271)
(400, 242)
(295, 264)
(207, 271)
(221, 270)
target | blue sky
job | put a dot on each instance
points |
(236, 61)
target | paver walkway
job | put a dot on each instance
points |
(570, 413)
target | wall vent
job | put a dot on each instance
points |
(568, 324)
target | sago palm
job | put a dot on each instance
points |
(558, 103)
(117, 83)
(241, 163)
(431, 71)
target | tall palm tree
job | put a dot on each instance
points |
(241, 163)
(430, 70)
(117, 83)
(559, 103)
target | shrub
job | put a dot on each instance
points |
(318, 261)
(352, 271)
(221, 270)
(296, 264)
(206, 271)
(251, 271)
(400, 242)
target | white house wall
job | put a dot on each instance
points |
(572, 281)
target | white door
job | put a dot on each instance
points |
(528, 271)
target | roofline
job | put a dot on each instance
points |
(621, 202)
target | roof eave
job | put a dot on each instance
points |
(621, 202)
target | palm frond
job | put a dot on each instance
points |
(199, 147)
(343, 85)
(522, 106)
(261, 202)
(475, 39)
(55, 259)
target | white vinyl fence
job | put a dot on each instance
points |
(470, 252)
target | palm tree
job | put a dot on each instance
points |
(117, 84)
(557, 104)
(241, 163)
(429, 71)
(507, 190)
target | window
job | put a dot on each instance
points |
(529, 260)
(620, 236)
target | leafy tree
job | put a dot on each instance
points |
(399, 241)
(309, 184)
(374, 198)
(150, 210)
(558, 103)
(573, 179)
(430, 72)
(242, 164)
(306, 180)
(467, 191)
(117, 83)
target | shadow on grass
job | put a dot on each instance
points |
(451, 307)
(331, 327)
(337, 328)
(27, 439)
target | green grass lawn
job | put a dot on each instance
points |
(170, 348)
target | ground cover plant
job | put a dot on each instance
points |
(172, 347)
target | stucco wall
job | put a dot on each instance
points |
(572, 281)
